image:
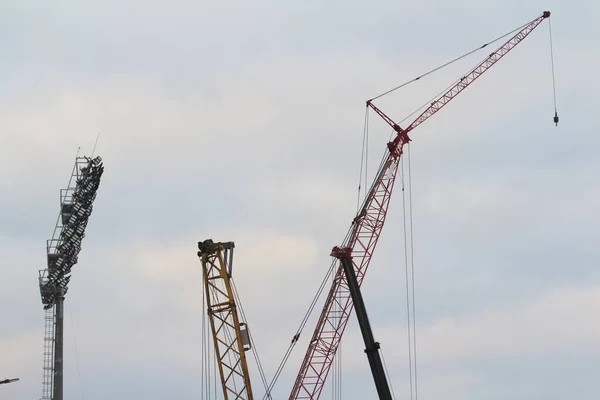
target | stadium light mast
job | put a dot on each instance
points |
(62, 251)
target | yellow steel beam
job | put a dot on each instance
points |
(224, 320)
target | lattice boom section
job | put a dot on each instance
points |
(476, 72)
(225, 325)
(338, 306)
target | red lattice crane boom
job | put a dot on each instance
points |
(366, 228)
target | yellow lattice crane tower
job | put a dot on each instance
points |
(230, 336)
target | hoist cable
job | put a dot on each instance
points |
(367, 149)
(387, 374)
(340, 377)
(299, 330)
(553, 79)
(362, 157)
(335, 366)
(219, 361)
(76, 353)
(254, 349)
(552, 62)
(449, 62)
(204, 368)
(408, 327)
(412, 269)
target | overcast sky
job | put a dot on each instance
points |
(242, 122)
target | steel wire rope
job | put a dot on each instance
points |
(76, 353)
(367, 149)
(204, 347)
(334, 369)
(215, 373)
(553, 79)
(412, 268)
(206, 386)
(408, 313)
(338, 357)
(340, 388)
(450, 62)
(299, 330)
(254, 349)
(315, 299)
(362, 157)
(387, 374)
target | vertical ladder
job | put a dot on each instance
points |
(49, 330)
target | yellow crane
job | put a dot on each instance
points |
(230, 336)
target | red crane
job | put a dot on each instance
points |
(366, 228)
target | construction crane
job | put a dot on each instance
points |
(230, 336)
(366, 228)
(9, 381)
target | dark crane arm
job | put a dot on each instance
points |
(371, 346)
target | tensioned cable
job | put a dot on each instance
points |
(76, 353)
(204, 369)
(410, 362)
(219, 361)
(215, 374)
(450, 62)
(367, 148)
(335, 365)
(325, 279)
(338, 354)
(412, 268)
(254, 349)
(387, 374)
(362, 157)
(552, 62)
(300, 329)
(340, 387)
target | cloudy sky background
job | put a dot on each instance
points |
(243, 122)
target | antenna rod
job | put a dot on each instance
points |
(95, 144)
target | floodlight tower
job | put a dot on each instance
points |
(62, 251)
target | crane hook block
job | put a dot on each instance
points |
(556, 118)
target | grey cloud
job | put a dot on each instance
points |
(246, 125)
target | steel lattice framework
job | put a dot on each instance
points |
(230, 336)
(366, 229)
(62, 252)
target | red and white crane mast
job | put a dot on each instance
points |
(366, 228)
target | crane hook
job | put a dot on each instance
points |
(556, 118)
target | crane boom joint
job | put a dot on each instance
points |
(341, 252)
